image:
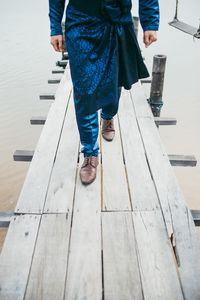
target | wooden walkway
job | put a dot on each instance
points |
(128, 235)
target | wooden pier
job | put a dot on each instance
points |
(128, 235)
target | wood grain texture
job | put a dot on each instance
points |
(182, 160)
(120, 263)
(84, 276)
(142, 190)
(5, 217)
(115, 188)
(32, 196)
(178, 218)
(49, 266)
(156, 262)
(16, 256)
(61, 186)
(184, 27)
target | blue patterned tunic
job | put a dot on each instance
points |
(102, 46)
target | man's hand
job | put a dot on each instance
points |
(149, 37)
(57, 42)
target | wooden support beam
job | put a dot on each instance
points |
(47, 96)
(61, 63)
(175, 159)
(58, 71)
(40, 120)
(158, 72)
(54, 80)
(65, 55)
(165, 121)
(146, 81)
(136, 24)
(196, 216)
(23, 155)
(182, 160)
(5, 217)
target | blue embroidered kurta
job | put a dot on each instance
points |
(102, 46)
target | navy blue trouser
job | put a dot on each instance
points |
(88, 126)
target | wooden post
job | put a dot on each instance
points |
(136, 22)
(176, 12)
(64, 43)
(158, 72)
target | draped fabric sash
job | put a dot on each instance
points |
(117, 11)
(103, 54)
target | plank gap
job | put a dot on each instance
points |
(70, 234)
(125, 169)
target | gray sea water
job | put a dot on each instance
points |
(26, 61)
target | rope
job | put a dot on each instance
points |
(176, 12)
(154, 105)
(197, 34)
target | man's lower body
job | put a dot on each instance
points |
(88, 127)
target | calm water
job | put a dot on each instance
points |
(27, 59)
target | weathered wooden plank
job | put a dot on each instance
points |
(61, 186)
(38, 120)
(156, 262)
(23, 155)
(47, 96)
(183, 27)
(143, 107)
(5, 218)
(196, 216)
(182, 160)
(61, 63)
(165, 121)
(35, 186)
(58, 71)
(141, 185)
(54, 80)
(177, 216)
(48, 270)
(16, 256)
(115, 187)
(146, 81)
(84, 277)
(175, 160)
(120, 263)
(143, 110)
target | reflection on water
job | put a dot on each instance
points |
(27, 59)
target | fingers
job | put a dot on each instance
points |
(57, 42)
(146, 40)
(149, 37)
(60, 44)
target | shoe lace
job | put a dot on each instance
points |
(93, 161)
(86, 161)
(108, 125)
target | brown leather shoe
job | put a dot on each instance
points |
(108, 131)
(89, 169)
